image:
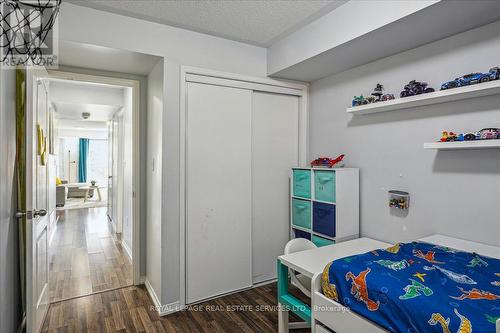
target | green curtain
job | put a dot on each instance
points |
(82, 160)
(21, 182)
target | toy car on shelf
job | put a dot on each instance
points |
(359, 100)
(448, 136)
(484, 134)
(326, 162)
(470, 136)
(415, 88)
(489, 134)
(386, 97)
(378, 92)
(473, 78)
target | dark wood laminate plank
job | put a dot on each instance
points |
(130, 309)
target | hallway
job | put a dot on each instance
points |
(86, 256)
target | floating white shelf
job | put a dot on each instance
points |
(441, 96)
(480, 144)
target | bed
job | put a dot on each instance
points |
(412, 301)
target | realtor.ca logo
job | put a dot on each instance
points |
(29, 33)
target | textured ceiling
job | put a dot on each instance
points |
(259, 22)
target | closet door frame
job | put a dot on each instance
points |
(200, 75)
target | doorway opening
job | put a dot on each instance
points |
(92, 235)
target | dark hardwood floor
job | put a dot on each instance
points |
(85, 255)
(131, 310)
(87, 259)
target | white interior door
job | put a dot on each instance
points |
(218, 211)
(36, 198)
(119, 180)
(275, 147)
(110, 169)
(115, 183)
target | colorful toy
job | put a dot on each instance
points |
(448, 136)
(376, 96)
(470, 136)
(358, 100)
(370, 100)
(326, 161)
(489, 133)
(473, 78)
(377, 92)
(386, 97)
(415, 88)
(484, 134)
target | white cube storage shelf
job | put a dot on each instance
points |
(324, 204)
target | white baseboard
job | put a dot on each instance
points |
(162, 310)
(263, 283)
(127, 249)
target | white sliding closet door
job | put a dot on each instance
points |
(275, 138)
(219, 190)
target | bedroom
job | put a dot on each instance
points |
(282, 91)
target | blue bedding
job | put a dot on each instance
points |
(419, 287)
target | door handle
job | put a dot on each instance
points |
(41, 212)
(20, 214)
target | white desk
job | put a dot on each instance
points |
(309, 263)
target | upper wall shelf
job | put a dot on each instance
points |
(441, 96)
(479, 144)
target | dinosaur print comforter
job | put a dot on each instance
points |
(418, 287)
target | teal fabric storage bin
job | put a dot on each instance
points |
(324, 186)
(302, 183)
(320, 241)
(301, 213)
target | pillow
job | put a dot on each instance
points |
(58, 181)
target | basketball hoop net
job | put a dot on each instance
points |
(26, 27)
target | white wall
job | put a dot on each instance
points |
(177, 46)
(154, 178)
(127, 164)
(453, 193)
(9, 272)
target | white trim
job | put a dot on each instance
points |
(242, 84)
(263, 283)
(127, 250)
(239, 77)
(136, 184)
(242, 81)
(152, 293)
(162, 310)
